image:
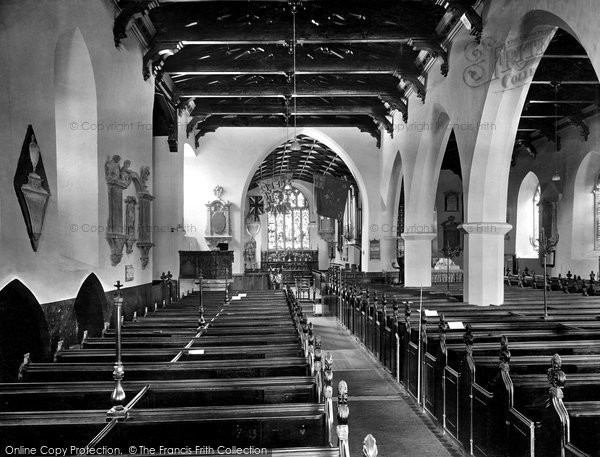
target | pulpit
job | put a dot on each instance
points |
(212, 264)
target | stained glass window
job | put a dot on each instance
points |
(290, 231)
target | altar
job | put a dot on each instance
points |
(446, 271)
(293, 263)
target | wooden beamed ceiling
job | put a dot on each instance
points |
(234, 59)
(564, 92)
(313, 158)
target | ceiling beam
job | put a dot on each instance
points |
(363, 123)
(348, 67)
(378, 116)
(267, 109)
(562, 82)
(565, 56)
(568, 102)
(544, 116)
(282, 91)
(282, 39)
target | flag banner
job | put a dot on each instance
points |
(331, 194)
(256, 206)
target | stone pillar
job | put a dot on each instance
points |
(167, 208)
(484, 262)
(417, 259)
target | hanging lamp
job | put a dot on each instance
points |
(556, 175)
(296, 147)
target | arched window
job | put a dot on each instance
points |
(528, 216)
(289, 230)
(535, 210)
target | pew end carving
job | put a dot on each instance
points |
(370, 446)
(23, 368)
(59, 348)
(84, 338)
(105, 329)
(342, 419)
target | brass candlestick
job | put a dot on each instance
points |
(450, 253)
(544, 246)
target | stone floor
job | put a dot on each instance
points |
(378, 405)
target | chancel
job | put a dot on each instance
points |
(300, 227)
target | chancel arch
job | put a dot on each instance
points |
(319, 154)
(77, 129)
(23, 329)
(90, 305)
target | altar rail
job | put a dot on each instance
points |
(443, 277)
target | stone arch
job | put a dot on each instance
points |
(420, 189)
(489, 168)
(430, 154)
(389, 219)
(5, 99)
(89, 307)
(23, 329)
(77, 127)
(486, 178)
(395, 185)
(582, 247)
(524, 221)
(335, 147)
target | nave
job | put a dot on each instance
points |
(255, 144)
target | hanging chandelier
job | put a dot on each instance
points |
(556, 175)
(275, 191)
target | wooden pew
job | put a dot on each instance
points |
(166, 354)
(249, 405)
(47, 396)
(280, 425)
(529, 411)
(156, 341)
(578, 338)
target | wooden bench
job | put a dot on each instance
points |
(230, 385)
(157, 341)
(293, 424)
(47, 396)
(166, 354)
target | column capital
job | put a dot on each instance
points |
(428, 236)
(486, 228)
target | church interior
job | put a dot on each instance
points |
(300, 227)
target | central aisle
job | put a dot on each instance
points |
(378, 405)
